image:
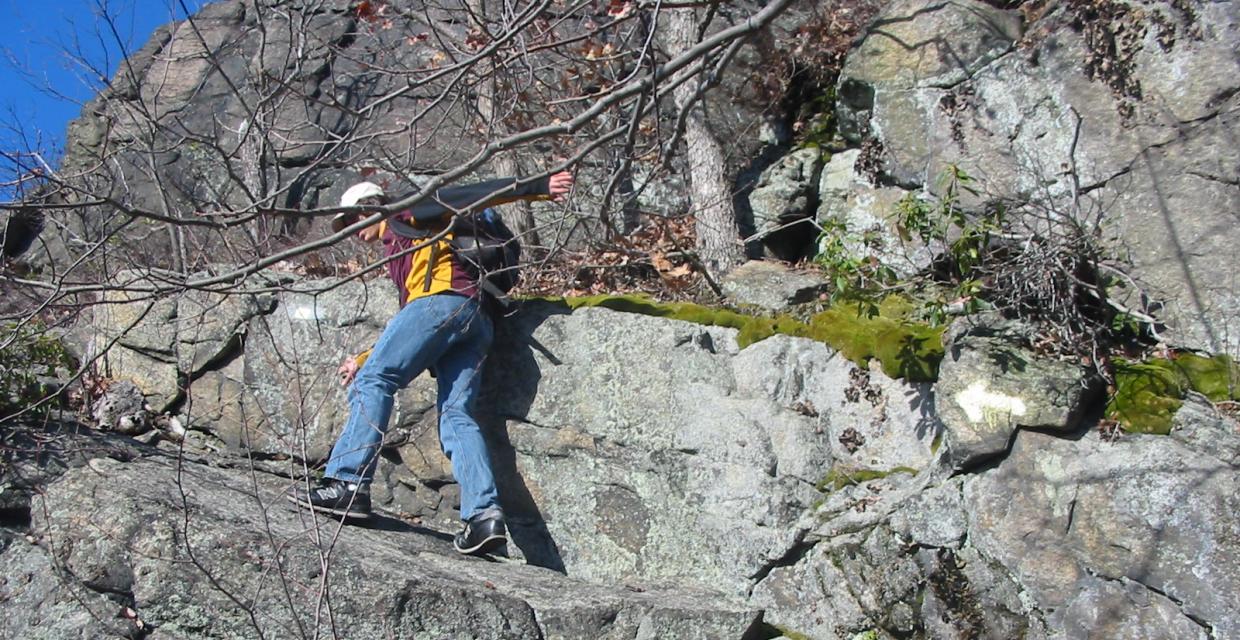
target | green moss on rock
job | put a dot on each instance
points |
(838, 478)
(792, 635)
(904, 348)
(1216, 378)
(1147, 394)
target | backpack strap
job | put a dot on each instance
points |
(430, 267)
(503, 303)
(406, 230)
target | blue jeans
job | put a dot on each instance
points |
(451, 333)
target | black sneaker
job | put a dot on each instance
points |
(483, 533)
(339, 498)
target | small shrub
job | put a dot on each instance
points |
(961, 241)
(27, 356)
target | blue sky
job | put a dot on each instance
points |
(47, 49)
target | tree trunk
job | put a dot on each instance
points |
(506, 163)
(710, 189)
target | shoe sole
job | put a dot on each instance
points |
(489, 544)
(342, 513)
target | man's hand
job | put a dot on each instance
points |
(560, 184)
(347, 371)
(369, 234)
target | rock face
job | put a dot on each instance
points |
(821, 496)
(589, 426)
(256, 372)
(1141, 515)
(862, 215)
(771, 285)
(785, 197)
(660, 481)
(1134, 99)
(177, 549)
(303, 403)
(258, 106)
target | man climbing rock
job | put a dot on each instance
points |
(442, 325)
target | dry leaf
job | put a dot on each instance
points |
(680, 272)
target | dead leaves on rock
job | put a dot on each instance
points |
(655, 260)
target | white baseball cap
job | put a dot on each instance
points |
(351, 197)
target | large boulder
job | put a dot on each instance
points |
(772, 285)
(863, 217)
(856, 573)
(1106, 608)
(258, 372)
(918, 44)
(1118, 120)
(41, 602)
(989, 386)
(160, 341)
(619, 433)
(276, 106)
(784, 199)
(819, 493)
(870, 421)
(616, 433)
(290, 361)
(843, 589)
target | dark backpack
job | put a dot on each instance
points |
(484, 246)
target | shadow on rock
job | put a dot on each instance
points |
(509, 388)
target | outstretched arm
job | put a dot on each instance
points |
(490, 193)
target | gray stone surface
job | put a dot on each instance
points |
(40, 600)
(787, 193)
(919, 44)
(136, 337)
(1145, 509)
(942, 85)
(1204, 428)
(868, 215)
(813, 597)
(771, 285)
(617, 433)
(934, 518)
(989, 387)
(1122, 609)
(970, 596)
(201, 552)
(291, 357)
(220, 403)
(159, 342)
(870, 421)
(210, 327)
(818, 491)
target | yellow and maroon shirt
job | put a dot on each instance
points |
(432, 269)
